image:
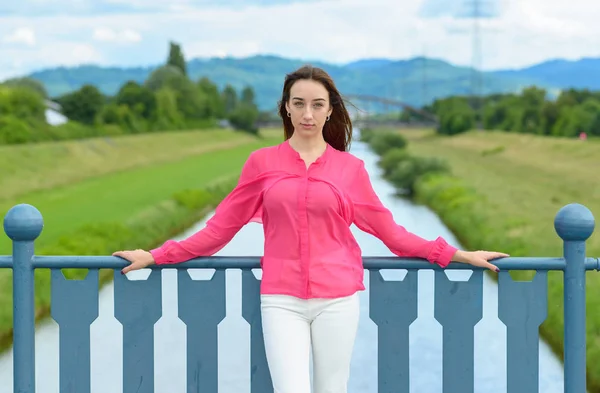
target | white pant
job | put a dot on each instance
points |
(290, 325)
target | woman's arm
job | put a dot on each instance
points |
(236, 210)
(372, 217)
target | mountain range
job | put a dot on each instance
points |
(414, 81)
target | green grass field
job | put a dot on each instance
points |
(526, 178)
(35, 167)
(518, 183)
(119, 195)
(125, 188)
(132, 173)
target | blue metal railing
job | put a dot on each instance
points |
(522, 307)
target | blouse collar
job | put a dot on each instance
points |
(289, 149)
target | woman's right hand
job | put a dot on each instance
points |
(140, 259)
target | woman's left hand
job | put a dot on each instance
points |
(479, 258)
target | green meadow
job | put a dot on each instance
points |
(129, 192)
(503, 192)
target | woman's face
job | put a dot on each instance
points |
(308, 106)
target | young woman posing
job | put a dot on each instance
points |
(307, 191)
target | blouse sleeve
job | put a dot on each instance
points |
(235, 210)
(372, 217)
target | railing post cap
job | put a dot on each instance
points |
(23, 222)
(574, 222)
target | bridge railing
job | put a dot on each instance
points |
(522, 307)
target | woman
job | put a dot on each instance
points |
(307, 191)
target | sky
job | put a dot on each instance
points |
(37, 34)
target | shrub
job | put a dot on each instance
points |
(244, 118)
(15, 131)
(366, 134)
(409, 170)
(399, 167)
(70, 130)
(390, 159)
(384, 141)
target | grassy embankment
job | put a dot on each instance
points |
(503, 194)
(101, 195)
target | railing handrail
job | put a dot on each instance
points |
(253, 262)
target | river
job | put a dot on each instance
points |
(234, 346)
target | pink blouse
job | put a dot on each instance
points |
(309, 250)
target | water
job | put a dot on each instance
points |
(234, 347)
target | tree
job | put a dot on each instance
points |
(248, 95)
(532, 103)
(215, 106)
(168, 115)
(140, 99)
(229, 98)
(245, 113)
(163, 76)
(244, 118)
(190, 99)
(28, 83)
(82, 105)
(23, 103)
(176, 58)
(455, 115)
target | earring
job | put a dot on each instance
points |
(328, 117)
(289, 114)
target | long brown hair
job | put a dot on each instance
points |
(337, 131)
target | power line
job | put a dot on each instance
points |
(424, 80)
(477, 10)
(477, 73)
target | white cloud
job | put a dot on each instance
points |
(536, 30)
(104, 34)
(339, 31)
(21, 35)
(15, 62)
(113, 7)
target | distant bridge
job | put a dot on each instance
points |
(427, 119)
(391, 124)
(389, 101)
(362, 123)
